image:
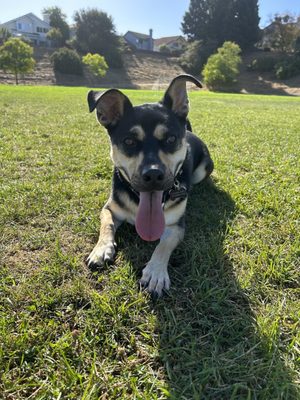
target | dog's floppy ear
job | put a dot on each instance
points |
(176, 97)
(110, 105)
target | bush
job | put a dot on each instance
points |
(164, 49)
(288, 68)
(196, 55)
(263, 64)
(96, 64)
(297, 46)
(67, 61)
(222, 68)
(283, 68)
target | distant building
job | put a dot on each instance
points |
(173, 43)
(30, 27)
(269, 31)
(139, 40)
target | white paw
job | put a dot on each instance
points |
(102, 253)
(155, 278)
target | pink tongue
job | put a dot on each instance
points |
(150, 220)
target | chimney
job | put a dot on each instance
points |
(151, 39)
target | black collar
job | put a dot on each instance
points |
(177, 191)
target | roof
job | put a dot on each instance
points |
(167, 40)
(274, 25)
(30, 15)
(138, 35)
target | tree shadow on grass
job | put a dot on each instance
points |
(210, 346)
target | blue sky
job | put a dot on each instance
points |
(163, 16)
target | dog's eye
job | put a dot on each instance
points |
(129, 142)
(171, 139)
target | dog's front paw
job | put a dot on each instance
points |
(155, 279)
(102, 253)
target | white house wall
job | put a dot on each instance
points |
(30, 27)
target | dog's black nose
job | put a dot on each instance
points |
(152, 175)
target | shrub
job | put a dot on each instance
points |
(96, 64)
(222, 68)
(164, 49)
(196, 55)
(262, 64)
(67, 61)
(297, 46)
(288, 68)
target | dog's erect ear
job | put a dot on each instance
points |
(110, 105)
(176, 97)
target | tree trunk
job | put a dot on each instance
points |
(16, 76)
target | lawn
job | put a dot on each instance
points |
(229, 328)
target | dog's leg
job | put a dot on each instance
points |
(104, 251)
(203, 170)
(155, 275)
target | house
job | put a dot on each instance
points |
(173, 43)
(268, 33)
(139, 40)
(29, 27)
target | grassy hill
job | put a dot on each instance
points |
(149, 70)
(140, 69)
(229, 328)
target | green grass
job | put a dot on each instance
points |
(230, 327)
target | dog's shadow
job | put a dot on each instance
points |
(210, 346)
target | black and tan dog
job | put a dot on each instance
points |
(156, 160)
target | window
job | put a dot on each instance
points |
(19, 26)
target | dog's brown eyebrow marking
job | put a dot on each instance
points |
(160, 131)
(138, 131)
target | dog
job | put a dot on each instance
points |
(156, 161)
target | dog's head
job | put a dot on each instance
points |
(148, 143)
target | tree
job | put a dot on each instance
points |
(56, 37)
(244, 23)
(284, 33)
(197, 20)
(222, 68)
(222, 20)
(4, 35)
(16, 57)
(58, 21)
(96, 64)
(196, 55)
(95, 33)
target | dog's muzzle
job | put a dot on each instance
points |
(152, 178)
(153, 175)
